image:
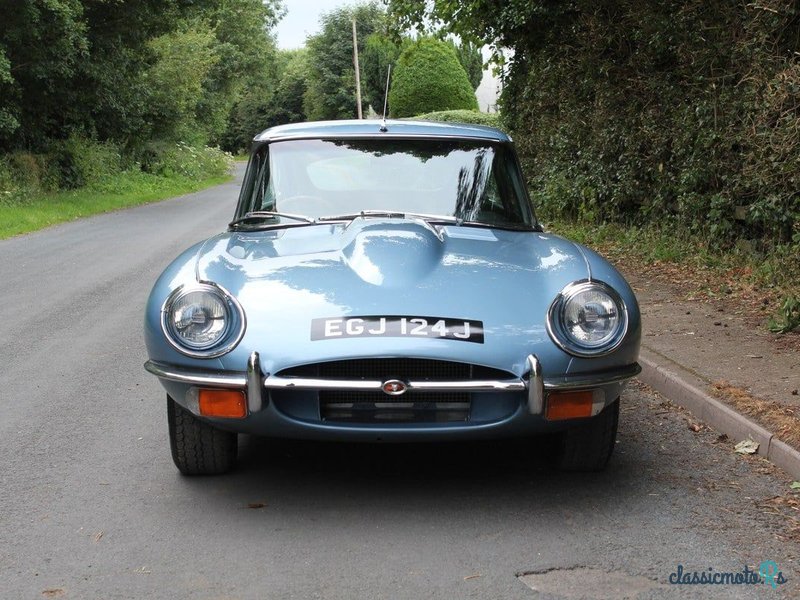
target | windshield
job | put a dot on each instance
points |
(470, 181)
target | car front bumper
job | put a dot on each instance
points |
(502, 407)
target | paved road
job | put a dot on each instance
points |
(92, 507)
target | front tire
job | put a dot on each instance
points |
(588, 446)
(197, 447)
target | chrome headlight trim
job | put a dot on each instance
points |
(236, 322)
(555, 322)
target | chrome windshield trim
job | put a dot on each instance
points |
(196, 376)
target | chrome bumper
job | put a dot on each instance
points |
(255, 383)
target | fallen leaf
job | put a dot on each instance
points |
(695, 427)
(256, 505)
(795, 485)
(784, 501)
(98, 536)
(52, 593)
(746, 447)
(472, 576)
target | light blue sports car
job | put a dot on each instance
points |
(388, 281)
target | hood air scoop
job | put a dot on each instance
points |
(391, 253)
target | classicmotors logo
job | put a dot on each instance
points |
(768, 574)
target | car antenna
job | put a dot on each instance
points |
(384, 128)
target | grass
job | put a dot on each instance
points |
(115, 192)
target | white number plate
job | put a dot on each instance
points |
(464, 330)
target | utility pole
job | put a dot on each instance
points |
(358, 71)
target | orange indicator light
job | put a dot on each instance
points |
(231, 404)
(569, 405)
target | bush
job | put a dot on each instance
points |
(427, 78)
(81, 163)
(78, 162)
(190, 162)
(23, 175)
(473, 117)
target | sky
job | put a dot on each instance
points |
(302, 19)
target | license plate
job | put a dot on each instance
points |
(464, 330)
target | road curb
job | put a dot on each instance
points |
(685, 389)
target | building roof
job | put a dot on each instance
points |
(370, 127)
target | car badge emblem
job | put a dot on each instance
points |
(394, 387)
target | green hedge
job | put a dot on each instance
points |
(680, 113)
(463, 116)
(428, 77)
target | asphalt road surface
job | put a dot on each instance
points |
(92, 507)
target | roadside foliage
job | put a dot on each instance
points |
(91, 89)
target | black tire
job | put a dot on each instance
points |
(588, 446)
(197, 447)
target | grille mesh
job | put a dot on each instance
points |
(420, 369)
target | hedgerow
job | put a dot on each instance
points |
(463, 116)
(685, 114)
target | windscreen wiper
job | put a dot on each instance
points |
(263, 215)
(389, 214)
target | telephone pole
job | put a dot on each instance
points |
(358, 71)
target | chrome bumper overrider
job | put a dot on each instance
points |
(255, 383)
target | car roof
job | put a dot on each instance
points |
(373, 127)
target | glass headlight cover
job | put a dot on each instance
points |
(588, 318)
(202, 320)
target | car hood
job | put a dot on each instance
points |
(286, 278)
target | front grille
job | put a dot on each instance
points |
(409, 369)
(377, 407)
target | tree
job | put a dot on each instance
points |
(500, 24)
(331, 77)
(8, 120)
(247, 58)
(175, 81)
(470, 57)
(41, 45)
(101, 68)
(380, 51)
(287, 103)
(267, 105)
(429, 78)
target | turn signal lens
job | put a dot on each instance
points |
(230, 404)
(569, 405)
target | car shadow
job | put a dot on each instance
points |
(298, 478)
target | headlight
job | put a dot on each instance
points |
(202, 320)
(587, 318)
